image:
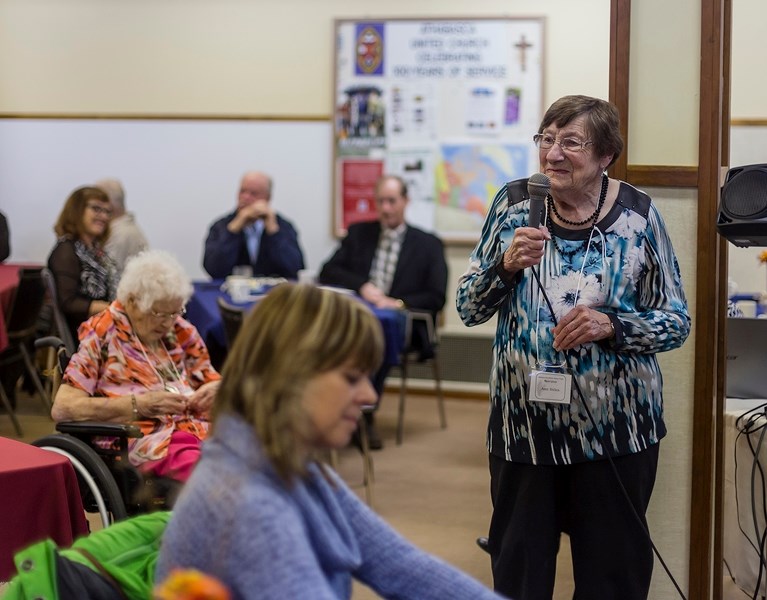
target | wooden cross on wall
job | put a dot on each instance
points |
(522, 45)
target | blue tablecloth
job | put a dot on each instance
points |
(202, 311)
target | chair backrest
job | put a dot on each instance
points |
(423, 320)
(232, 317)
(59, 320)
(27, 302)
(62, 356)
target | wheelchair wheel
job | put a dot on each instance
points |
(97, 486)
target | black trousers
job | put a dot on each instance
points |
(534, 504)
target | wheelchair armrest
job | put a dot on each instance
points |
(49, 341)
(81, 428)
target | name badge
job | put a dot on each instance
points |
(550, 386)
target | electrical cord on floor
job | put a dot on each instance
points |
(753, 512)
(748, 429)
(634, 511)
(747, 424)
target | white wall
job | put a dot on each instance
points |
(224, 57)
(749, 45)
(178, 177)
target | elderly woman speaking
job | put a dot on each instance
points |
(584, 304)
(140, 361)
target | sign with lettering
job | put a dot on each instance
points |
(450, 105)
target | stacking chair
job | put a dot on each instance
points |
(61, 327)
(367, 459)
(410, 354)
(363, 445)
(21, 327)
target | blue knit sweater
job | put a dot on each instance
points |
(238, 521)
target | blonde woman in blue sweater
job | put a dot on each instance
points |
(259, 513)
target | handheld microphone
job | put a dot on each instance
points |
(538, 187)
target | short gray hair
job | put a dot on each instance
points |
(151, 276)
(115, 191)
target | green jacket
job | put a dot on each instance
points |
(127, 551)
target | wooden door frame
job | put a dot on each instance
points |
(706, 501)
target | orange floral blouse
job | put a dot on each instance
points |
(111, 362)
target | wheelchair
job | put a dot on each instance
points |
(110, 486)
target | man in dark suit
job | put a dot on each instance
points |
(391, 265)
(254, 235)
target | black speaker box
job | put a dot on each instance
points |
(742, 215)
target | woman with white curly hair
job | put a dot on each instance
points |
(140, 362)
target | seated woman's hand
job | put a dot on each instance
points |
(161, 403)
(202, 399)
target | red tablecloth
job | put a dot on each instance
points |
(9, 279)
(39, 498)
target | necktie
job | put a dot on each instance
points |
(388, 261)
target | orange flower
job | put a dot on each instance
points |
(190, 584)
(763, 256)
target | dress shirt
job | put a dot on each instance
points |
(253, 233)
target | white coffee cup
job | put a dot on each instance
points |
(242, 271)
(238, 288)
(307, 276)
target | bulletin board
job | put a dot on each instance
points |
(450, 105)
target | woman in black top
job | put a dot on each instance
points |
(85, 275)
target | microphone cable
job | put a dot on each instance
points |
(645, 530)
(748, 428)
(748, 424)
(761, 538)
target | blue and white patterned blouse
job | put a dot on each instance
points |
(632, 275)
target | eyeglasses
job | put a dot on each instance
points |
(545, 141)
(161, 316)
(100, 210)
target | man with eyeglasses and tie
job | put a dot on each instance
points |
(391, 264)
(253, 236)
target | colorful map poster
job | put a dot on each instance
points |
(467, 178)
